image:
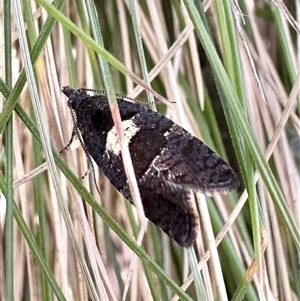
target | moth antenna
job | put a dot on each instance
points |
(123, 96)
(92, 90)
(93, 170)
(90, 162)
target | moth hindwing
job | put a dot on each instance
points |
(168, 161)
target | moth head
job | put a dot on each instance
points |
(75, 97)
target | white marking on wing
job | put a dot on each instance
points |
(129, 130)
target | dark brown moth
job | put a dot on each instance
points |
(168, 161)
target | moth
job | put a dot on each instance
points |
(169, 162)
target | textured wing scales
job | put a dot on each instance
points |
(192, 164)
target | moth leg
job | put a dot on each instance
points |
(70, 142)
(89, 161)
(85, 174)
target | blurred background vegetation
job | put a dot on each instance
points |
(231, 72)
